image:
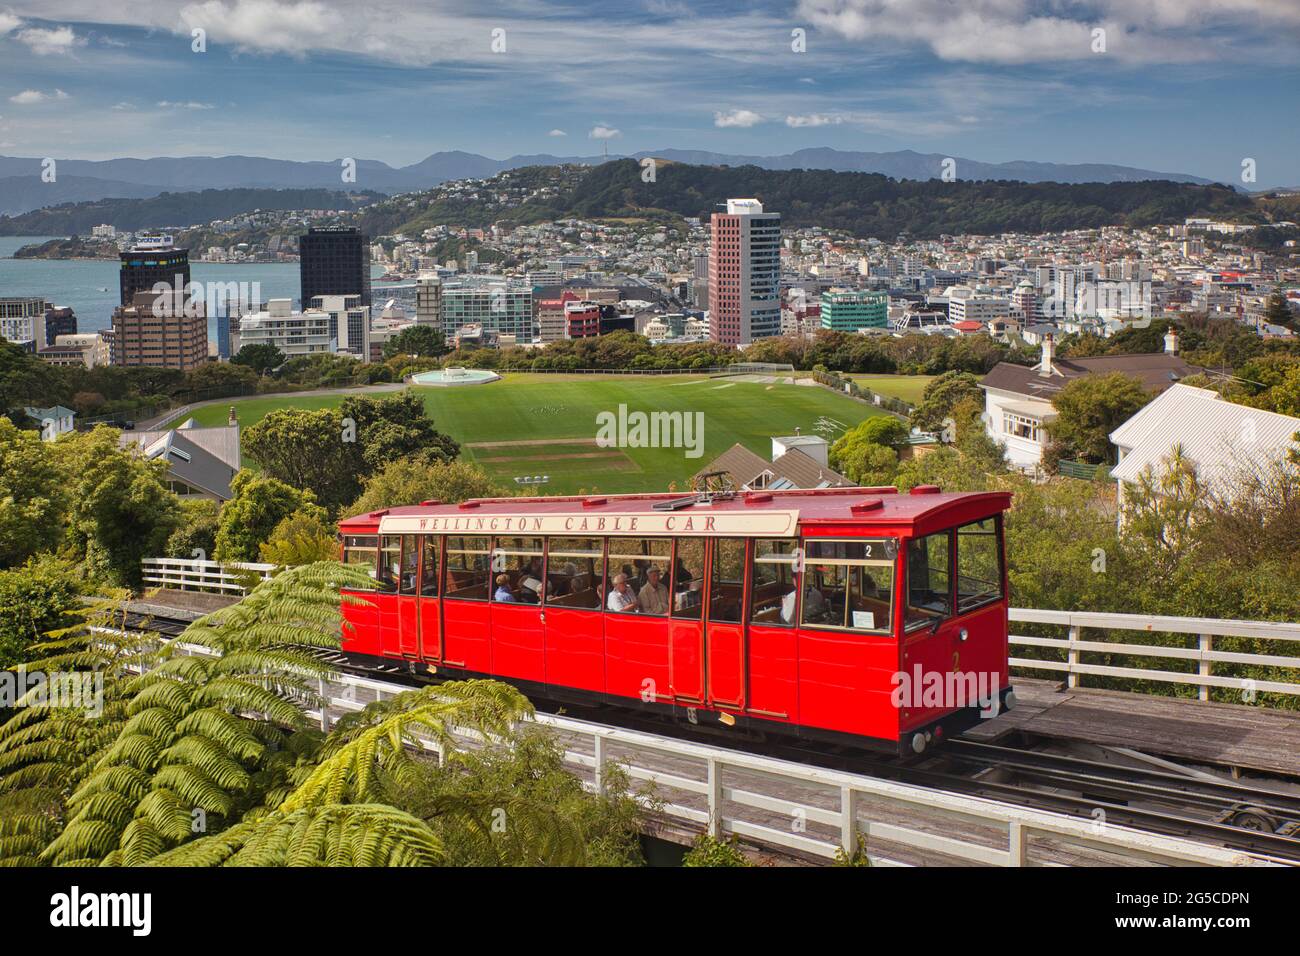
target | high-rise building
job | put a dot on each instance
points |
(581, 319)
(428, 300)
(152, 260)
(22, 321)
(498, 307)
(59, 320)
(349, 323)
(166, 330)
(745, 273)
(334, 260)
(846, 311)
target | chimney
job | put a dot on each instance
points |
(1171, 341)
(1049, 345)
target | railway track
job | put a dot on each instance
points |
(1223, 813)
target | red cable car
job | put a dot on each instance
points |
(855, 615)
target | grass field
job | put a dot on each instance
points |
(906, 387)
(547, 424)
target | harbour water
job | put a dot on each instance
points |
(90, 286)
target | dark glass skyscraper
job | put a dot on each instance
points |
(334, 261)
(147, 265)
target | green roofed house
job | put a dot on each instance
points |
(55, 420)
(844, 310)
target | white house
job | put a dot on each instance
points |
(1218, 437)
(55, 421)
(1018, 399)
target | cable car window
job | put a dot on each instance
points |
(727, 591)
(468, 569)
(390, 561)
(517, 571)
(773, 582)
(637, 569)
(575, 572)
(929, 591)
(979, 564)
(688, 578)
(361, 549)
(429, 567)
(848, 585)
(410, 564)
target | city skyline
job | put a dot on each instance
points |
(1190, 88)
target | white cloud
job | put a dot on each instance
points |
(1025, 31)
(27, 97)
(187, 105)
(123, 106)
(741, 118)
(50, 42)
(604, 132)
(813, 119)
(557, 132)
(272, 26)
(8, 23)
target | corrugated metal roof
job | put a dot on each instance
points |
(1219, 437)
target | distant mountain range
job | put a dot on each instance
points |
(22, 190)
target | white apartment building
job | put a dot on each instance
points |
(293, 333)
(349, 323)
(969, 305)
(22, 321)
(85, 349)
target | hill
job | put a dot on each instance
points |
(175, 209)
(863, 204)
(22, 189)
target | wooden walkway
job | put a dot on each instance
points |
(1234, 736)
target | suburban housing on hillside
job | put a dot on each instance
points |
(1018, 400)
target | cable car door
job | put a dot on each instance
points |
(725, 629)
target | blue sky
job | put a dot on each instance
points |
(1190, 86)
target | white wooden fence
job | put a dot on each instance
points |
(186, 574)
(792, 806)
(1204, 654)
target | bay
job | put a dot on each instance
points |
(90, 286)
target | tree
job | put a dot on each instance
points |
(35, 598)
(120, 510)
(258, 505)
(421, 341)
(309, 450)
(941, 396)
(408, 482)
(331, 451)
(261, 358)
(388, 429)
(301, 538)
(1278, 311)
(1090, 408)
(33, 497)
(868, 453)
(197, 532)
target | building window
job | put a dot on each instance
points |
(1021, 427)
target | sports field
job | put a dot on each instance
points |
(547, 424)
(906, 387)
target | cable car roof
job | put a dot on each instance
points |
(761, 513)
